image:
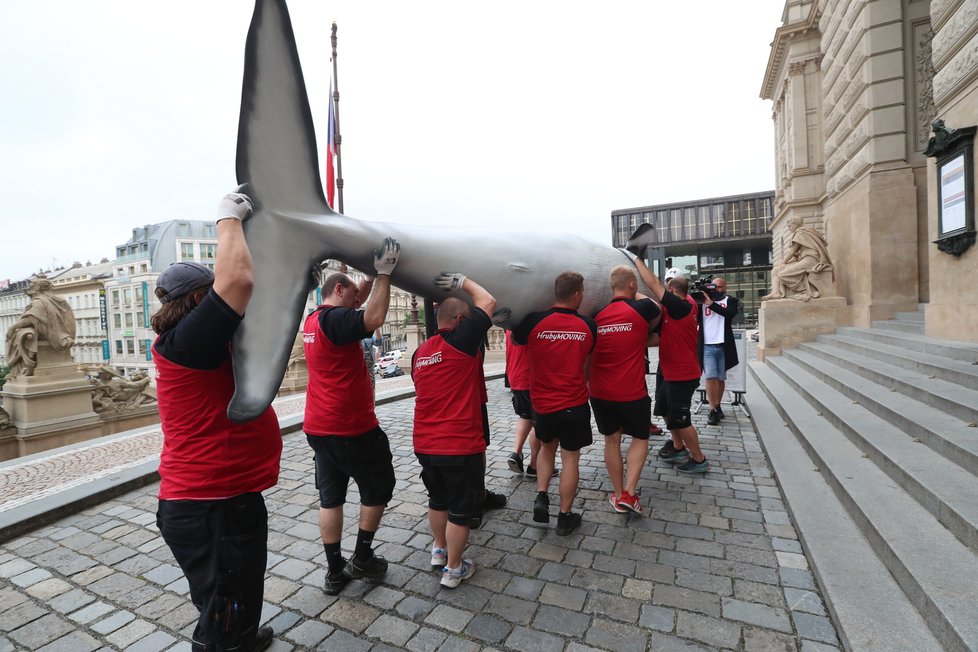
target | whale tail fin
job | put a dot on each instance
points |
(277, 161)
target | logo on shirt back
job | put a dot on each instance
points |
(614, 328)
(434, 358)
(308, 338)
(559, 336)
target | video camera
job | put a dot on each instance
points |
(701, 286)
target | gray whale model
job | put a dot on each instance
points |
(293, 229)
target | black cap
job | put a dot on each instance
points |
(180, 278)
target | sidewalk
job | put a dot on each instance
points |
(715, 563)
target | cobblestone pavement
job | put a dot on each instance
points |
(715, 564)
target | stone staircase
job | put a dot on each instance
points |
(872, 435)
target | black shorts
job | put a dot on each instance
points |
(366, 458)
(485, 423)
(455, 483)
(631, 417)
(672, 401)
(571, 427)
(521, 403)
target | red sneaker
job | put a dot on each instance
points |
(629, 502)
(613, 499)
(654, 429)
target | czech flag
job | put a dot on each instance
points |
(331, 152)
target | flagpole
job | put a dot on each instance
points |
(337, 139)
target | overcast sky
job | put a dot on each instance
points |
(546, 115)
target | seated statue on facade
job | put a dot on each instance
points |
(114, 393)
(47, 318)
(801, 274)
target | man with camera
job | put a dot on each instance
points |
(717, 349)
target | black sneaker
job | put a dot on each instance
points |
(541, 508)
(713, 419)
(720, 412)
(531, 472)
(373, 568)
(263, 638)
(691, 466)
(493, 500)
(567, 523)
(336, 581)
(667, 449)
(515, 463)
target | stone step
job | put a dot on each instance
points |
(900, 326)
(937, 572)
(917, 316)
(956, 400)
(962, 373)
(961, 351)
(853, 579)
(941, 486)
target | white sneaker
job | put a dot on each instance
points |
(439, 557)
(452, 577)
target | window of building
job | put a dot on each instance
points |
(127, 296)
(140, 321)
(128, 320)
(130, 346)
(118, 347)
(117, 319)
(208, 251)
(139, 294)
(115, 297)
(143, 268)
(142, 347)
(132, 270)
(183, 229)
(186, 251)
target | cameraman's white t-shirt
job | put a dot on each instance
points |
(713, 323)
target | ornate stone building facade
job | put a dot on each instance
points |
(855, 86)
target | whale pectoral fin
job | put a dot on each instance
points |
(643, 236)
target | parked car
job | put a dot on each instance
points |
(389, 369)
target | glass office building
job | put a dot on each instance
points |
(722, 236)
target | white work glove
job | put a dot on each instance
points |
(234, 206)
(448, 281)
(385, 258)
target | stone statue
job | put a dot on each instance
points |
(4, 419)
(47, 318)
(801, 272)
(115, 393)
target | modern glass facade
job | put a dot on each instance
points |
(722, 236)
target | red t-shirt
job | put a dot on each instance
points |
(558, 342)
(618, 362)
(517, 364)
(677, 346)
(449, 387)
(205, 455)
(340, 396)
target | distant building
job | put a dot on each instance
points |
(722, 236)
(80, 285)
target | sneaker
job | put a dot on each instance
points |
(515, 462)
(493, 500)
(336, 581)
(567, 523)
(475, 522)
(263, 639)
(631, 503)
(452, 577)
(713, 419)
(373, 568)
(439, 557)
(654, 430)
(720, 412)
(676, 457)
(667, 449)
(613, 499)
(690, 466)
(541, 508)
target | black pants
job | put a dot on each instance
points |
(222, 547)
